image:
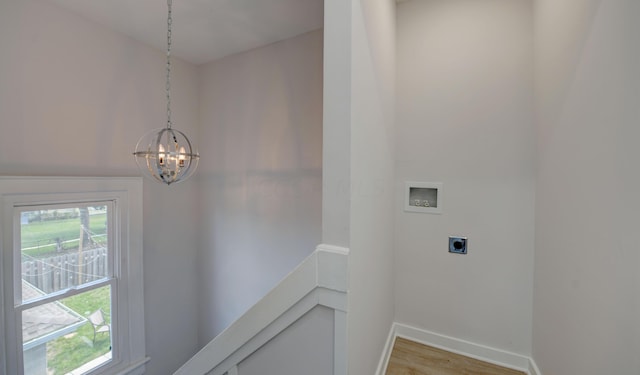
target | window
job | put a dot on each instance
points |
(71, 276)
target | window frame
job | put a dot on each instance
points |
(125, 193)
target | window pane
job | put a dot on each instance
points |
(64, 247)
(73, 334)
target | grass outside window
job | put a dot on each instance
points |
(78, 348)
(41, 238)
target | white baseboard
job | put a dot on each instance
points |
(533, 368)
(386, 352)
(484, 353)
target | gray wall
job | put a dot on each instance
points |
(260, 176)
(305, 347)
(465, 118)
(587, 263)
(74, 99)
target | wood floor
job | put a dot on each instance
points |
(411, 358)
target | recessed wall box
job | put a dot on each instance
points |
(425, 197)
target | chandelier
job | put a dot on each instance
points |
(166, 154)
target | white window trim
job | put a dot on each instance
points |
(129, 353)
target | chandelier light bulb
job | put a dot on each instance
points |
(182, 157)
(161, 155)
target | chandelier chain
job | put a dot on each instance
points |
(166, 155)
(168, 84)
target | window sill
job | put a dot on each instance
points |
(137, 368)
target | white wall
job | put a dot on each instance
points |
(336, 128)
(464, 118)
(372, 72)
(587, 263)
(261, 173)
(74, 99)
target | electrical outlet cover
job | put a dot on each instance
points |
(457, 245)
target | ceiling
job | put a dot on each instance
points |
(204, 30)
